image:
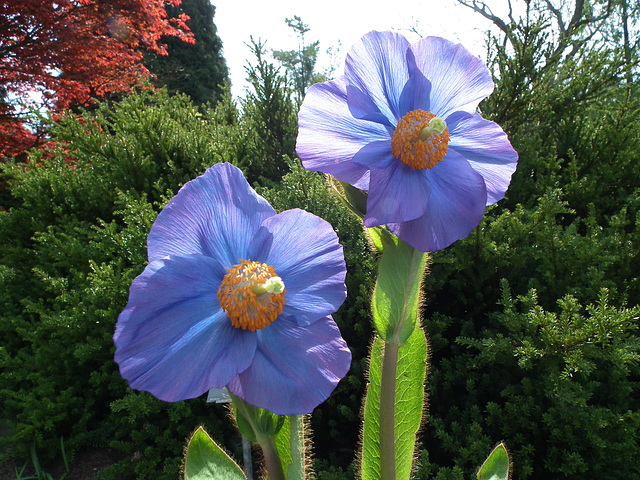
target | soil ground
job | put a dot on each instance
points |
(85, 465)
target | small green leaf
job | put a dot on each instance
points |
(375, 234)
(496, 466)
(283, 445)
(397, 292)
(204, 460)
(254, 422)
(355, 199)
(409, 404)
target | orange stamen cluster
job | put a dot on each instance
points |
(414, 151)
(246, 309)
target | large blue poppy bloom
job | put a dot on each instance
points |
(402, 124)
(236, 295)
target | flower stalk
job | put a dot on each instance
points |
(261, 427)
(271, 457)
(297, 468)
(387, 410)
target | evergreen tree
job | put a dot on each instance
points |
(270, 116)
(300, 64)
(198, 70)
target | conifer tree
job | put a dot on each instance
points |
(198, 70)
(300, 64)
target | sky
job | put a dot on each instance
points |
(338, 24)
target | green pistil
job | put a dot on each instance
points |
(436, 126)
(273, 285)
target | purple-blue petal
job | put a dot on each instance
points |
(455, 207)
(295, 368)
(362, 107)
(305, 253)
(329, 136)
(416, 93)
(487, 149)
(396, 194)
(173, 339)
(376, 154)
(459, 80)
(215, 215)
(376, 67)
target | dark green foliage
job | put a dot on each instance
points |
(557, 387)
(198, 70)
(74, 238)
(531, 319)
(73, 241)
(533, 340)
(270, 119)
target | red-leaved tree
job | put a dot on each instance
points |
(58, 53)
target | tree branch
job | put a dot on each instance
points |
(556, 12)
(485, 11)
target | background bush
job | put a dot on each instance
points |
(532, 320)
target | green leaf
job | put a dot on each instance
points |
(397, 292)
(254, 422)
(283, 445)
(496, 466)
(410, 378)
(204, 460)
(375, 234)
(355, 199)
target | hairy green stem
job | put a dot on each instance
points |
(387, 410)
(267, 442)
(271, 457)
(296, 470)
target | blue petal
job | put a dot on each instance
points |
(396, 194)
(362, 107)
(305, 253)
(375, 155)
(215, 215)
(376, 67)
(487, 149)
(459, 80)
(416, 93)
(454, 207)
(173, 339)
(329, 136)
(295, 368)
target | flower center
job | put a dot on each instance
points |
(420, 140)
(252, 295)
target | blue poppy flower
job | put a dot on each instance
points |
(236, 295)
(401, 123)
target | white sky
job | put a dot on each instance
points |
(339, 24)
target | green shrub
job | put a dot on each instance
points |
(74, 238)
(533, 338)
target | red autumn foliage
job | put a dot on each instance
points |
(68, 51)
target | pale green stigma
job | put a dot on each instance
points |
(436, 126)
(273, 285)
